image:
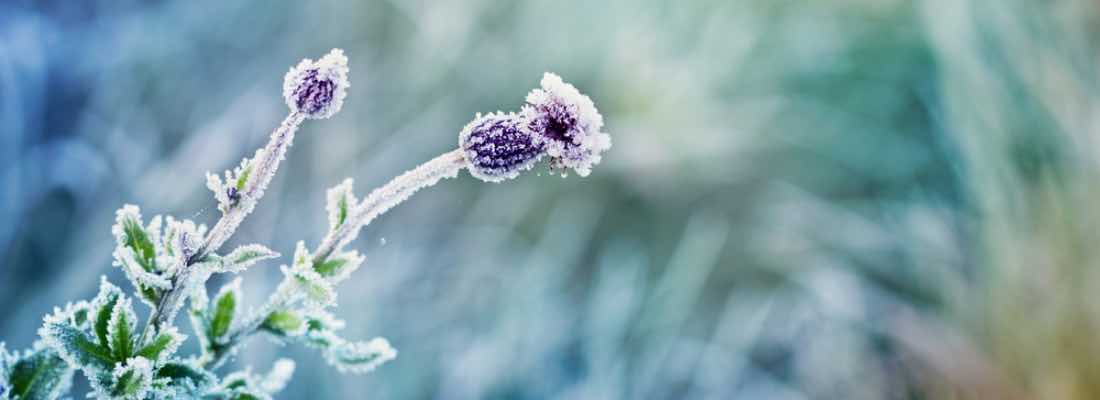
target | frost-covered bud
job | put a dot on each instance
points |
(317, 88)
(566, 124)
(497, 147)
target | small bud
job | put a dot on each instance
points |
(317, 88)
(497, 147)
(567, 124)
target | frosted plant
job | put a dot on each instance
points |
(567, 124)
(168, 261)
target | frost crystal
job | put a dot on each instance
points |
(567, 124)
(280, 374)
(317, 88)
(497, 147)
(361, 357)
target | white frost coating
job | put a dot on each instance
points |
(361, 357)
(311, 287)
(332, 67)
(6, 361)
(276, 380)
(327, 320)
(352, 260)
(124, 259)
(587, 147)
(261, 169)
(340, 201)
(245, 256)
(122, 315)
(139, 368)
(177, 339)
(386, 197)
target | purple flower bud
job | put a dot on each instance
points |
(317, 88)
(566, 124)
(497, 147)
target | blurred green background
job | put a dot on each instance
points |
(834, 199)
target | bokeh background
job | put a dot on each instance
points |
(834, 199)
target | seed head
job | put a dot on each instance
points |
(566, 124)
(317, 88)
(497, 147)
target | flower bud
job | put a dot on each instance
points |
(497, 147)
(566, 124)
(316, 89)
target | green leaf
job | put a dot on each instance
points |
(242, 177)
(162, 345)
(186, 377)
(319, 292)
(102, 307)
(330, 267)
(80, 314)
(120, 330)
(284, 323)
(41, 374)
(339, 266)
(149, 294)
(225, 309)
(75, 345)
(340, 200)
(248, 395)
(133, 380)
(244, 257)
(133, 235)
(360, 357)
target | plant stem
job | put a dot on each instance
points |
(379, 201)
(264, 167)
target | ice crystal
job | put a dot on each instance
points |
(280, 374)
(317, 88)
(497, 147)
(361, 357)
(567, 124)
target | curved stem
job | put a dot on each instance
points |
(380, 200)
(263, 170)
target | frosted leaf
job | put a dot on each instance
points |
(129, 381)
(317, 89)
(102, 307)
(314, 289)
(162, 345)
(277, 378)
(199, 298)
(241, 385)
(361, 357)
(80, 314)
(302, 259)
(34, 374)
(322, 339)
(243, 257)
(323, 320)
(223, 313)
(73, 344)
(567, 124)
(338, 267)
(126, 259)
(221, 192)
(340, 201)
(183, 379)
(131, 234)
(182, 238)
(285, 323)
(120, 329)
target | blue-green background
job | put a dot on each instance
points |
(835, 199)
